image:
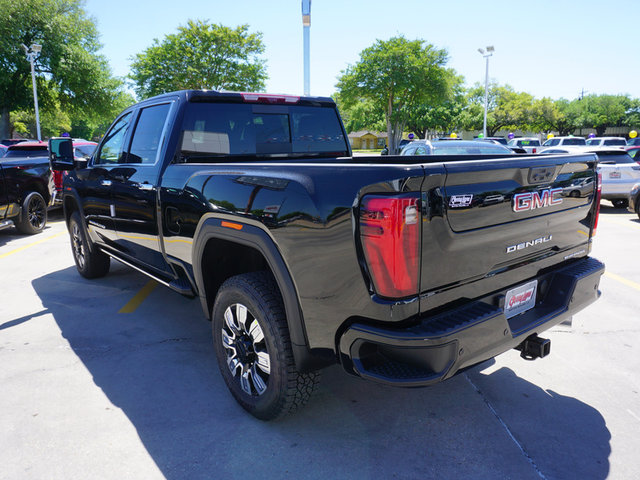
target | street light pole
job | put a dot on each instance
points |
(486, 55)
(32, 53)
(306, 26)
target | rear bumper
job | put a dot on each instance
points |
(442, 345)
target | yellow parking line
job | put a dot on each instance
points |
(628, 283)
(139, 297)
(42, 240)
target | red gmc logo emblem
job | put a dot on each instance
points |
(532, 200)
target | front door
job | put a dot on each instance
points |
(135, 189)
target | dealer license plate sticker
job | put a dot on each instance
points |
(520, 299)
(614, 175)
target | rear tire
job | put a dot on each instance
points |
(253, 348)
(33, 217)
(620, 203)
(91, 263)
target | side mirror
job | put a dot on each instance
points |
(61, 153)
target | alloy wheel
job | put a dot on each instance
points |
(247, 356)
(78, 246)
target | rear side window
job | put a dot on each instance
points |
(147, 134)
(218, 129)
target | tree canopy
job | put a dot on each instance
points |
(73, 80)
(201, 56)
(396, 76)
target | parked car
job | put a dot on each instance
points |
(580, 187)
(634, 141)
(607, 142)
(26, 189)
(304, 256)
(460, 147)
(500, 140)
(633, 151)
(619, 171)
(83, 149)
(634, 200)
(530, 144)
(564, 141)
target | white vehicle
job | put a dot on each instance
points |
(530, 144)
(607, 142)
(619, 172)
(565, 142)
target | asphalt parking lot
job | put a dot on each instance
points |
(116, 378)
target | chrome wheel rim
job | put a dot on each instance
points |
(76, 243)
(36, 212)
(247, 355)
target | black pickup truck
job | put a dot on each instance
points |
(26, 188)
(404, 270)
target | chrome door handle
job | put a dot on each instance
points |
(105, 183)
(145, 186)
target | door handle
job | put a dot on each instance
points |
(105, 183)
(145, 186)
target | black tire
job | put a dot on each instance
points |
(620, 203)
(91, 263)
(574, 194)
(254, 355)
(33, 217)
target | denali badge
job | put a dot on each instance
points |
(532, 200)
(523, 245)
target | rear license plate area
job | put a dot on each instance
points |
(520, 299)
(614, 174)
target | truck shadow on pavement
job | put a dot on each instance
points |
(158, 366)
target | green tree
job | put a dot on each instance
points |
(201, 56)
(602, 111)
(443, 117)
(506, 109)
(360, 116)
(71, 76)
(396, 76)
(558, 116)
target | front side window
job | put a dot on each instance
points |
(147, 134)
(112, 148)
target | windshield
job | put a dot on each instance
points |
(615, 141)
(218, 129)
(574, 141)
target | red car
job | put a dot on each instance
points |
(82, 149)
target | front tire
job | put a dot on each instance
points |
(91, 263)
(33, 217)
(253, 349)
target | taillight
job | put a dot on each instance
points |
(269, 98)
(598, 197)
(533, 150)
(390, 235)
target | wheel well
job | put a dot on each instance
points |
(223, 259)
(39, 188)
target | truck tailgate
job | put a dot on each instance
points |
(499, 214)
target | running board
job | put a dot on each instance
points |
(6, 224)
(179, 285)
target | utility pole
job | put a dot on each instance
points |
(489, 52)
(306, 27)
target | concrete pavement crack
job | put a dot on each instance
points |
(506, 428)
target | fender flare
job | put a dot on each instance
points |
(254, 234)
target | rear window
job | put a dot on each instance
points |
(528, 143)
(471, 150)
(28, 152)
(615, 158)
(574, 141)
(218, 129)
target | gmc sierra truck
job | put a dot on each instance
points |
(404, 270)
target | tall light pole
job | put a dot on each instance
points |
(32, 53)
(306, 26)
(486, 55)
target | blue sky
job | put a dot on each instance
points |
(552, 49)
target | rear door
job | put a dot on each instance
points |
(499, 213)
(134, 188)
